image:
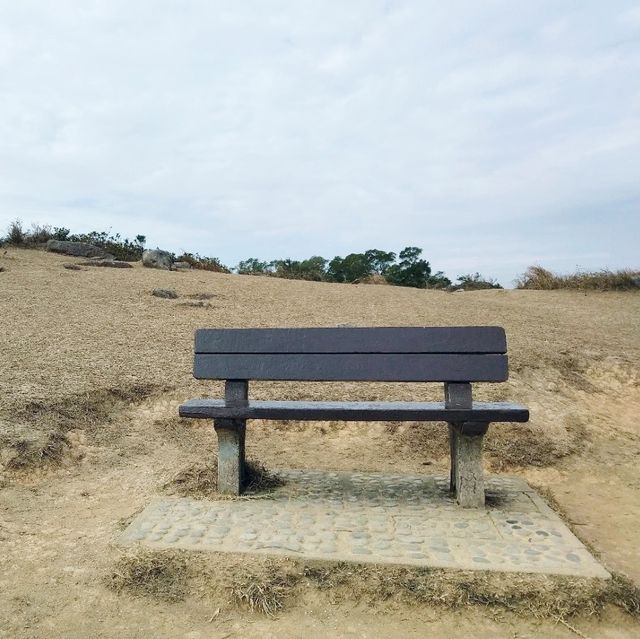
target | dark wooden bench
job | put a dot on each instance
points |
(456, 356)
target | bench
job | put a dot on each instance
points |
(456, 356)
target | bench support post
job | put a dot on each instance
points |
(231, 435)
(465, 442)
(467, 463)
(231, 441)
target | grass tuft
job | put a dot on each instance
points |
(263, 591)
(25, 451)
(200, 479)
(159, 575)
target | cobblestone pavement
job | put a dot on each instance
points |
(373, 517)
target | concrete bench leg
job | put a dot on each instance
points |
(453, 447)
(231, 436)
(467, 477)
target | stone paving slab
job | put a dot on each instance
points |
(374, 517)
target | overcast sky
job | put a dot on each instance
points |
(493, 134)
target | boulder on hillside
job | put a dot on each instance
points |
(77, 249)
(157, 259)
(181, 266)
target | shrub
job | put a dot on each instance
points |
(475, 282)
(121, 248)
(60, 233)
(202, 263)
(312, 269)
(253, 266)
(538, 278)
(438, 280)
(39, 234)
(16, 235)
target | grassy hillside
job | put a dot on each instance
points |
(94, 368)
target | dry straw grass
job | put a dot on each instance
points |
(38, 435)
(163, 576)
(200, 479)
(269, 586)
(538, 278)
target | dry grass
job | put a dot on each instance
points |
(201, 296)
(265, 590)
(23, 450)
(538, 278)
(78, 344)
(37, 434)
(194, 304)
(269, 586)
(506, 445)
(200, 479)
(163, 576)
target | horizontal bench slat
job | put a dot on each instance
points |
(456, 339)
(355, 411)
(378, 367)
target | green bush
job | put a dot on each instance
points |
(253, 266)
(121, 248)
(475, 282)
(16, 235)
(201, 262)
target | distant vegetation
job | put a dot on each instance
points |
(375, 266)
(406, 269)
(538, 278)
(120, 247)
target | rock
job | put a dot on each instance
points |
(181, 266)
(157, 259)
(77, 249)
(167, 293)
(107, 262)
(71, 267)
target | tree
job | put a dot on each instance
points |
(353, 267)
(380, 261)
(313, 269)
(411, 270)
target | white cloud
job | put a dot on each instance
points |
(289, 128)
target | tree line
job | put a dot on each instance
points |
(407, 268)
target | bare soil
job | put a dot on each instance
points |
(94, 367)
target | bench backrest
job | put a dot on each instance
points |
(407, 354)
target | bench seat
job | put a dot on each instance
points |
(354, 411)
